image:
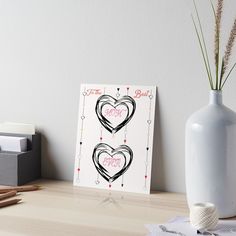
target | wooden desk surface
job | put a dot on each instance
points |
(61, 209)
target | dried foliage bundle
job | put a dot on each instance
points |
(221, 64)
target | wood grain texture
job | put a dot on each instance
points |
(9, 202)
(61, 209)
(8, 195)
(25, 188)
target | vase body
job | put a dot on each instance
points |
(210, 156)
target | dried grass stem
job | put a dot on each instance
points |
(229, 48)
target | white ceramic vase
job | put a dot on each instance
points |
(210, 156)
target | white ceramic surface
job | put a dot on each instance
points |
(210, 156)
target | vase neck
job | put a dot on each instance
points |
(215, 97)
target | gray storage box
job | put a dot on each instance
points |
(18, 168)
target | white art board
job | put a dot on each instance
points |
(115, 137)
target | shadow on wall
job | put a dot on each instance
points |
(49, 169)
(158, 175)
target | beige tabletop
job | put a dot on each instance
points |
(61, 209)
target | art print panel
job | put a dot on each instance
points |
(115, 137)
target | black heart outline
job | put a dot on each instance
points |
(105, 148)
(109, 100)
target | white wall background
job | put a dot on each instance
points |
(49, 47)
